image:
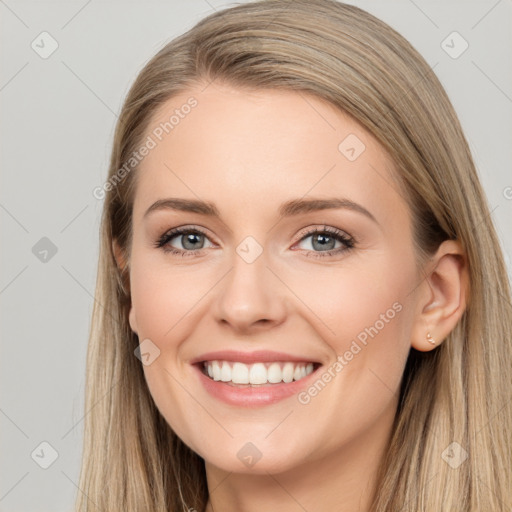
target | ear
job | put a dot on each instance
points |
(122, 265)
(442, 297)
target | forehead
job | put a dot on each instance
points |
(245, 150)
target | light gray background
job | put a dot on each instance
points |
(58, 117)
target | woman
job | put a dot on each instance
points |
(301, 299)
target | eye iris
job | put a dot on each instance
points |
(323, 244)
(189, 238)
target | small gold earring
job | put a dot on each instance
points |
(430, 339)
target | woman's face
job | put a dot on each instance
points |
(296, 256)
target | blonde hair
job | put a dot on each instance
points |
(460, 392)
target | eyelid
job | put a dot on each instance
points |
(162, 241)
(187, 228)
(347, 240)
(323, 229)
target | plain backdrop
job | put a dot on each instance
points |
(58, 115)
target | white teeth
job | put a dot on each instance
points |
(288, 372)
(257, 373)
(274, 373)
(225, 372)
(216, 370)
(239, 373)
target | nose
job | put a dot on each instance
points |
(251, 297)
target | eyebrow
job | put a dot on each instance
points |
(287, 209)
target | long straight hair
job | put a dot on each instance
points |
(458, 393)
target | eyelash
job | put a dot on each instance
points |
(342, 237)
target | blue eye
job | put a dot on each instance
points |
(192, 241)
(325, 240)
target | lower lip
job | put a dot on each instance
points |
(253, 396)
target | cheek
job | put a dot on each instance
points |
(350, 301)
(165, 301)
(369, 313)
(162, 296)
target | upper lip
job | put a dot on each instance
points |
(257, 356)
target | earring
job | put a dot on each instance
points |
(430, 339)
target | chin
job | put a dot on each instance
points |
(254, 457)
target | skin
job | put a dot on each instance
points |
(248, 152)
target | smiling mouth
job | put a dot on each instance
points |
(234, 373)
